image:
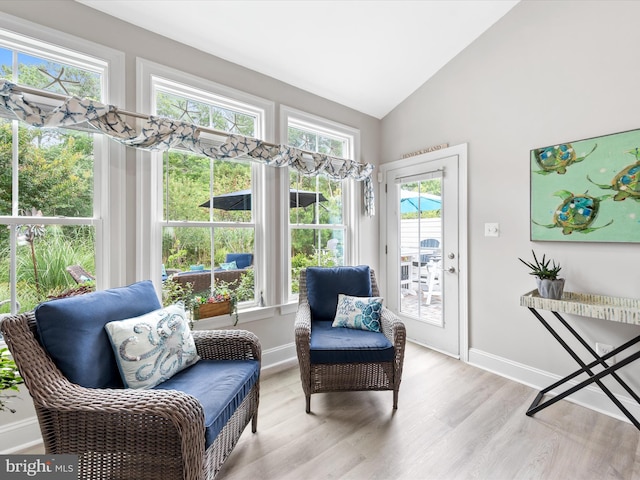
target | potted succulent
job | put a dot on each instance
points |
(9, 378)
(546, 273)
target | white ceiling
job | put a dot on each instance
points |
(367, 55)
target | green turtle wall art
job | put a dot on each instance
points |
(557, 158)
(626, 182)
(576, 213)
(598, 187)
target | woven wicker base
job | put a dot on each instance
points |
(332, 377)
(222, 446)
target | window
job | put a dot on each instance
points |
(320, 208)
(50, 179)
(210, 227)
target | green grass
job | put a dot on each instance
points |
(56, 250)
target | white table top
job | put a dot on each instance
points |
(615, 309)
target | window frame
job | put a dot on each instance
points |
(150, 75)
(351, 195)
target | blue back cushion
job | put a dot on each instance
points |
(72, 331)
(325, 283)
(243, 260)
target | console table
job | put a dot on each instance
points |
(614, 309)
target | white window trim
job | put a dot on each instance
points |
(149, 169)
(109, 176)
(351, 194)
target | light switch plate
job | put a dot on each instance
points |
(491, 230)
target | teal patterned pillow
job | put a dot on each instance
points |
(361, 313)
(153, 347)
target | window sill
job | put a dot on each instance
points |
(245, 316)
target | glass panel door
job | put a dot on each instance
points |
(420, 238)
(422, 245)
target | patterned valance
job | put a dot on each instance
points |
(159, 133)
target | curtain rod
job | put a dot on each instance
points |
(143, 116)
(235, 144)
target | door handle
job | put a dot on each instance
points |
(451, 269)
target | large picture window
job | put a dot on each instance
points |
(48, 179)
(208, 216)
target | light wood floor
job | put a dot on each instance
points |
(454, 422)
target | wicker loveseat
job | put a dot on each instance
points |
(333, 358)
(183, 428)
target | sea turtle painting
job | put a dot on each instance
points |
(557, 158)
(576, 213)
(626, 182)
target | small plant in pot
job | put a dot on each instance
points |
(546, 273)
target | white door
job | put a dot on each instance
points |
(423, 246)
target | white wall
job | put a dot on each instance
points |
(547, 72)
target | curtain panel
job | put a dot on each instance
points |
(158, 133)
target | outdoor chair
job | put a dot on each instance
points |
(79, 274)
(201, 280)
(181, 428)
(336, 358)
(243, 260)
(429, 251)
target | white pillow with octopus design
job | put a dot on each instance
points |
(361, 313)
(153, 347)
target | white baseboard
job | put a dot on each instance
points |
(273, 358)
(590, 397)
(24, 434)
(19, 435)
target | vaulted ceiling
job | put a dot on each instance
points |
(367, 55)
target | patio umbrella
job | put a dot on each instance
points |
(419, 202)
(241, 200)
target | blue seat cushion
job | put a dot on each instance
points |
(347, 345)
(324, 284)
(72, 331)
(219, 385)
(243, 260)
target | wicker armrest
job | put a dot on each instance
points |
(180, 409)
(303, 319)
(227, 345)
(302, 328)
(80, 420)
(393, 328)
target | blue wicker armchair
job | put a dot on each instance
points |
(182, 428)
(340, 359)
